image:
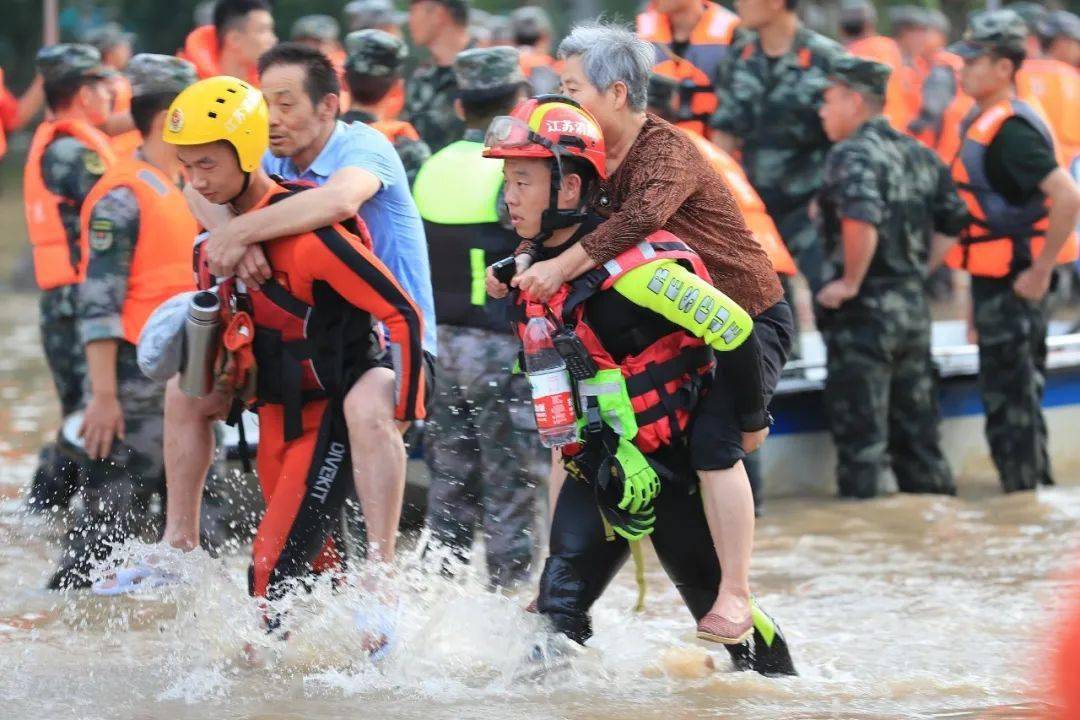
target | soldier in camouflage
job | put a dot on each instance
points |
(1025, 207)
(480, 442)
(77, 89)
(122, 424)
(442, 26)
(372, 71)
(887, 204)
(768, 107)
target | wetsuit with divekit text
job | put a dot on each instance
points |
(315, 335)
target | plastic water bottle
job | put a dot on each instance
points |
(553, 402)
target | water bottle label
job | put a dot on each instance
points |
(552, 401)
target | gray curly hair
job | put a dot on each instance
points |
(609, 54)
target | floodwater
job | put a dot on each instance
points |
(904, 607)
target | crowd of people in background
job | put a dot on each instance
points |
(763, 148)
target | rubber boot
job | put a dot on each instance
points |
(106, 519)
(55, 481)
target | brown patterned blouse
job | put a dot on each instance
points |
(666, 184)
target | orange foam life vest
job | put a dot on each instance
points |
(882, 49)
(662, 380)
(161, 264)
(1002, 238)
(396, 129)
(750, 203)
(1056, 85)
(201, 50)
(696, 73)
(58, 259)
(906, 83)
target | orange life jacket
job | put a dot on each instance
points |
(541, 70)
(663, 379)
(1002, 238)
(58, 259)
(395, 129)
(161, 264)
(750, 203)
(201, 50)
(906, 83)
(947, 143)
(1056, 85)
(697, 72)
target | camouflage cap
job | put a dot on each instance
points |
(316, 27)
(857, 11)
(992, 30)
(1060, 23)
(462, 5)
(152, 74)
(937, 20)
(866, 77)
(902, 17)
(487, 71)
(530, 23)
(106, 37)
(374, 52)
(364, 14)
(69, 60)
(1032, 13)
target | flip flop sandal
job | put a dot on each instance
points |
(139, 577)
(721, 630)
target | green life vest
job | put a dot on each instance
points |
(457, 192)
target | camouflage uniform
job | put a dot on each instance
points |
(69, 169)
(480, 441)
(771, 106)
(117, 489)
(377, 54)
(881, 391)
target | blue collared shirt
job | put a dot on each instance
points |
(391, 215)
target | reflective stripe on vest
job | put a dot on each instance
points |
(55, 263)
(161, 263)
(456, 192)
(663, 379)
(698, 69)
(1002, 238)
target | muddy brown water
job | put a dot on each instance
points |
(903, 607)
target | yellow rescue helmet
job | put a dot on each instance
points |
(221, 108)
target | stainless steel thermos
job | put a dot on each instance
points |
(202, 337)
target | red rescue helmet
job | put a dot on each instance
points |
(547, 126)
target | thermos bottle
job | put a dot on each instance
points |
(202, 337)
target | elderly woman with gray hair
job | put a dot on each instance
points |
(657, 180)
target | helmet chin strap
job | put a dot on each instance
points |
(553, 218)
(243, 188)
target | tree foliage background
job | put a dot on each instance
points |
(161, 25)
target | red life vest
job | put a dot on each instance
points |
(301, 354)
(663, 380)
(1002, 237)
